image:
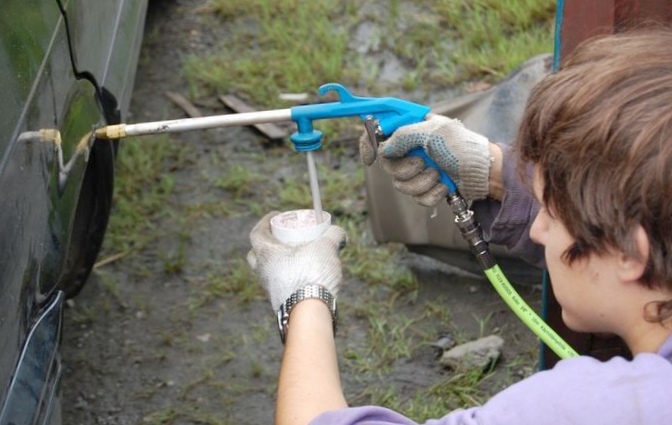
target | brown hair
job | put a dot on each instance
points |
(600, 132)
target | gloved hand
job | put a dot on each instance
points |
(283, 269)
(463, 154)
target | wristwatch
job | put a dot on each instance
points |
(304, 293)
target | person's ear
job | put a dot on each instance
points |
(631, 268)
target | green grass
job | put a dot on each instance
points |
(442, 42)
(496, 36)
(268, 55)
(453, 392)
(232, 279)
(375, 264)
(142, 187)
(239, 180)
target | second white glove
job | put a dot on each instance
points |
(282, 269)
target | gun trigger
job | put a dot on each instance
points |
(371, 126)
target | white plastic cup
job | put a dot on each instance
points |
(299, 226)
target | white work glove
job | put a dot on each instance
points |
(283, 269)
(463, 154)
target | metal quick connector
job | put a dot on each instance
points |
(471, 231)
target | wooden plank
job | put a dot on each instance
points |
(183, 103)
(270, 130)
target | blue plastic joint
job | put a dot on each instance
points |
(306, 139)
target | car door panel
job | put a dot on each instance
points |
(109, 50)
(47, 113)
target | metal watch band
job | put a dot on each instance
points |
(304, 293)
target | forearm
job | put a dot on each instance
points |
(309, 381)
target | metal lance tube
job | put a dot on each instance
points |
(187, 124)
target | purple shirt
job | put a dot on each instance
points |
(508, 223)
(580, 390)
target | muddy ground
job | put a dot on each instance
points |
(143, 345)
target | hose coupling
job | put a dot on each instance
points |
(471, 231)
(459, 206)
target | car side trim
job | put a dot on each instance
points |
(39, 370)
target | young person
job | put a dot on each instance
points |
(596, 141)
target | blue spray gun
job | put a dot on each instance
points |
(381, 117)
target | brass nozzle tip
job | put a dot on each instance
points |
(111, 132)
(50, 135)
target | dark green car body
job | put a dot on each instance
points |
(66, 66)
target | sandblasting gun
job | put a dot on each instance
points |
(381, 117)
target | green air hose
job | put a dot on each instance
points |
(471, 232)
(525, 313)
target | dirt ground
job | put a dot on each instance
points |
(139, 347)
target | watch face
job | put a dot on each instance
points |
(283, 318)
